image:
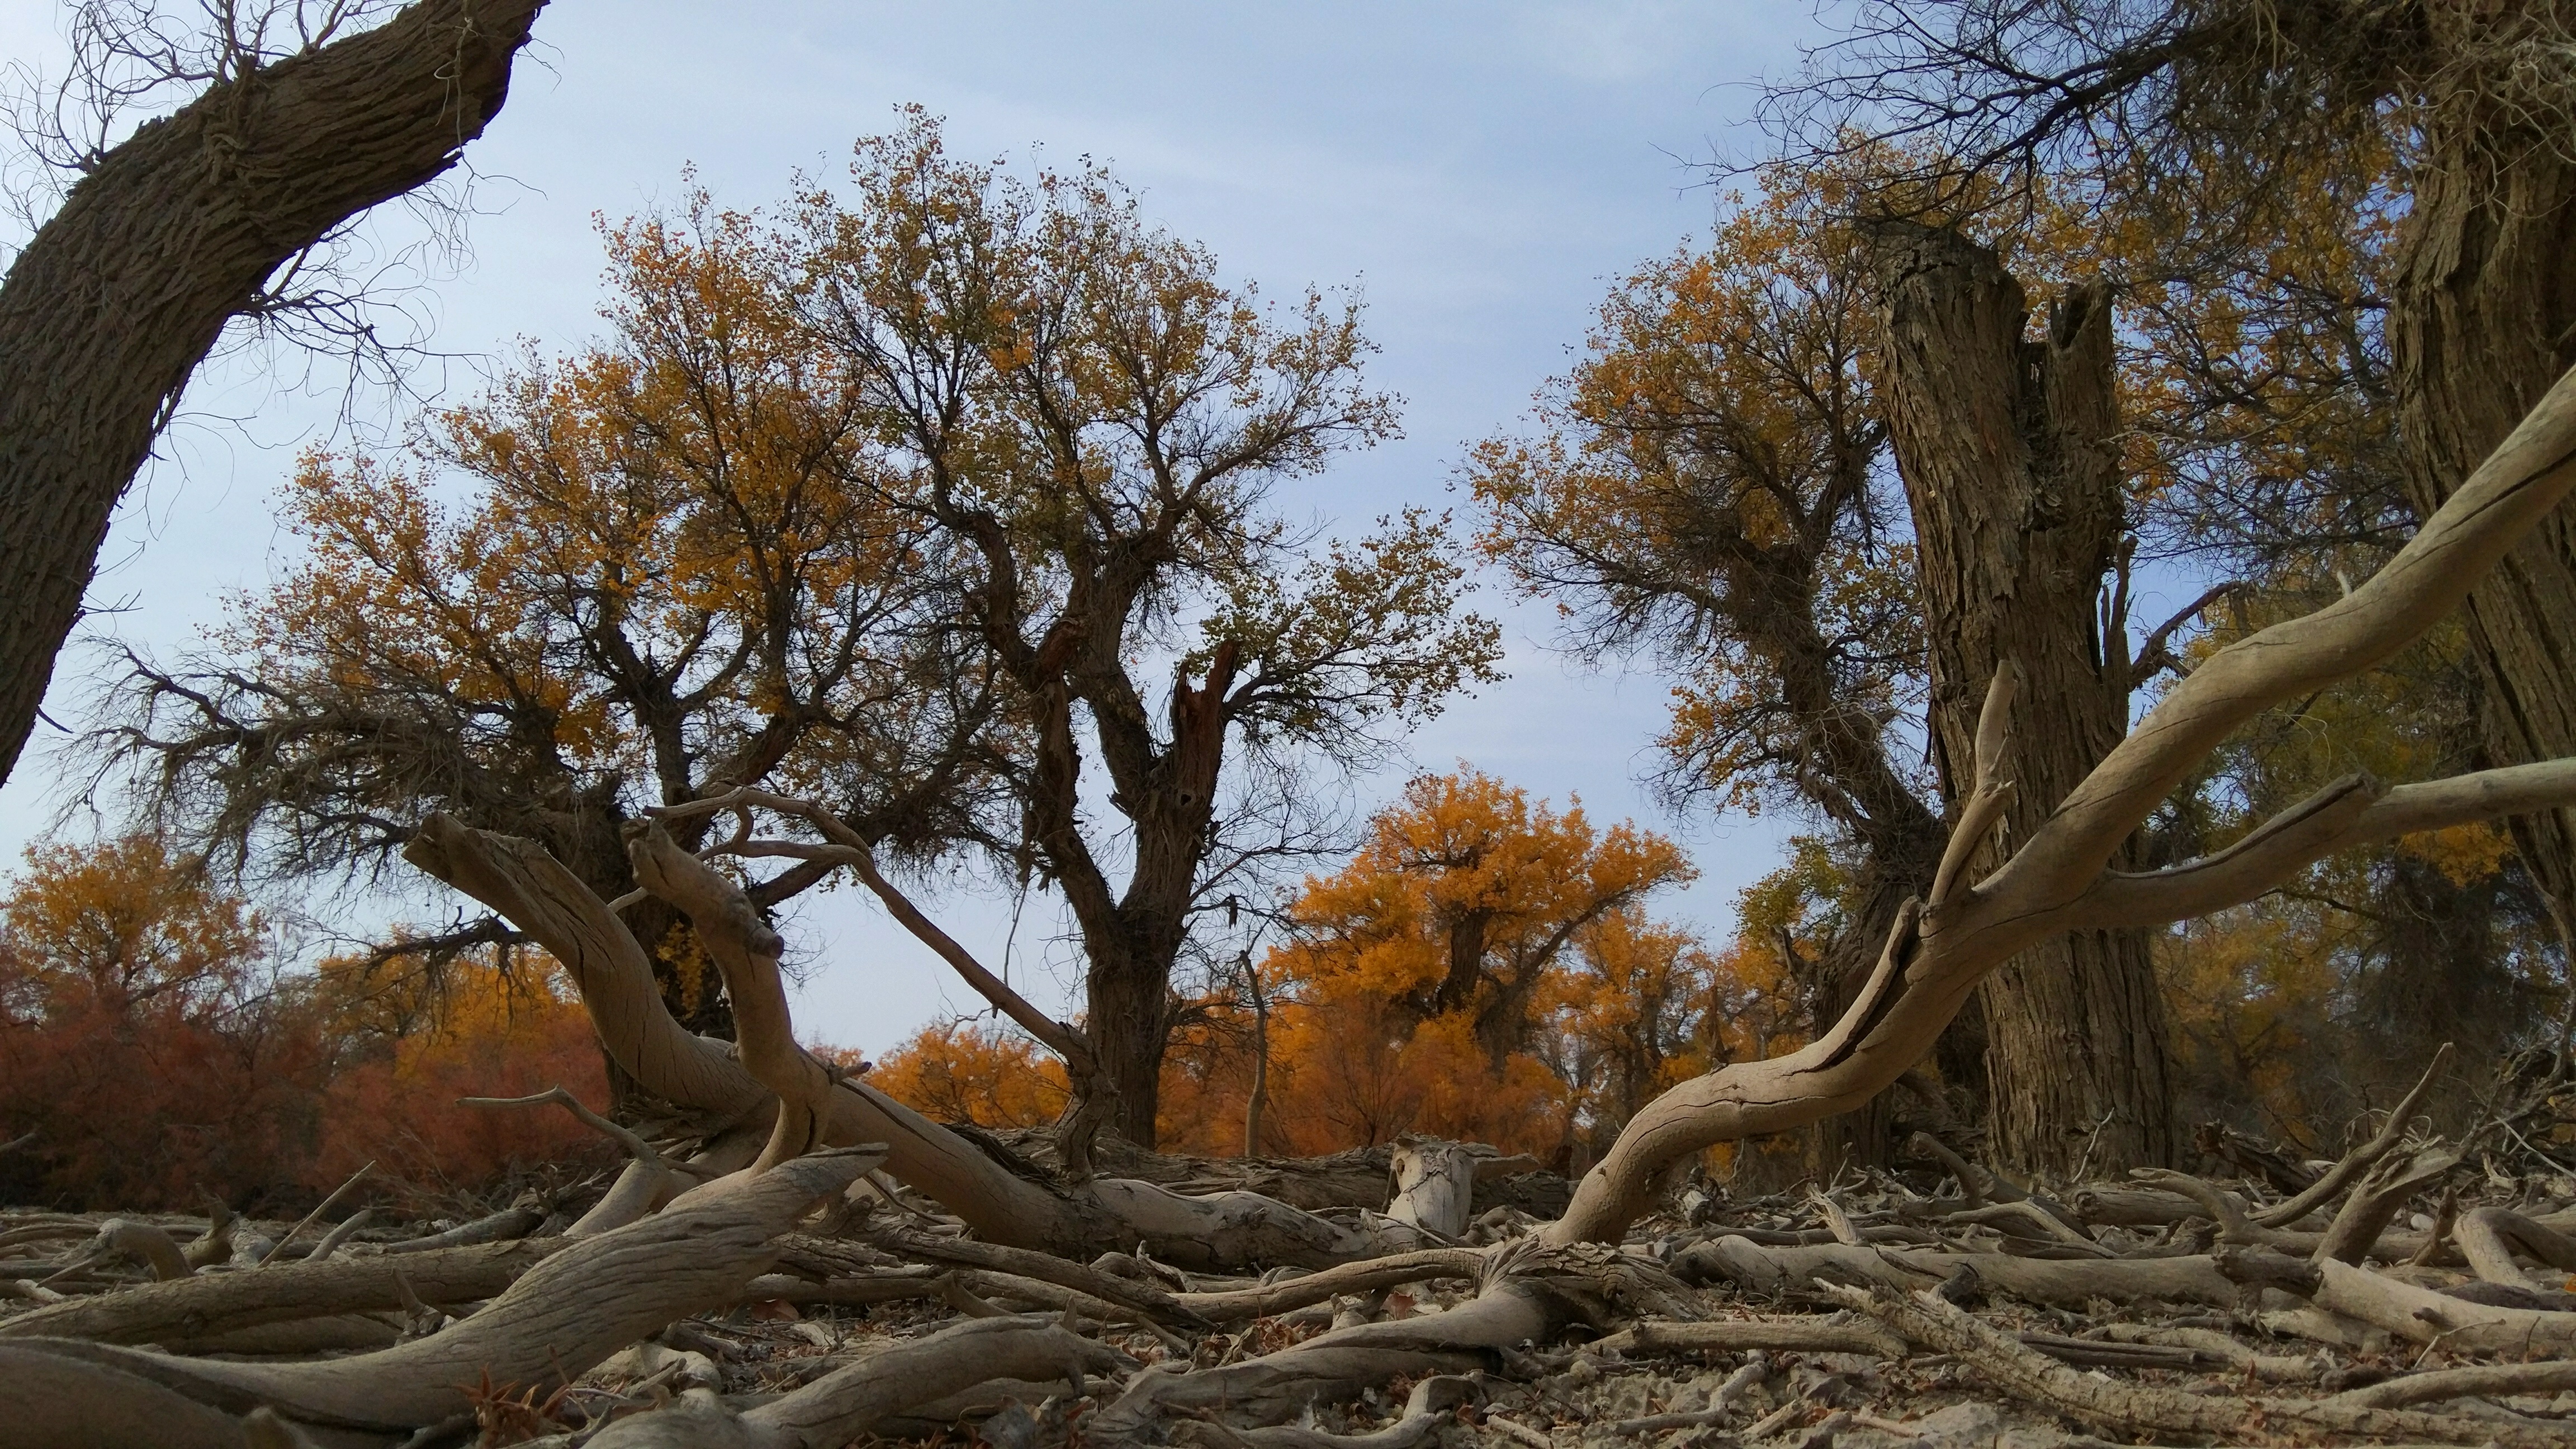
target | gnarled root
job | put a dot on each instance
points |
(2031, 1376)
(1530, 1290)
(853, 1401)
(523, 883)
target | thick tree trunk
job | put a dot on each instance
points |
(2007, 449)
(117, 299)
(2483, 321)
(1128, 993)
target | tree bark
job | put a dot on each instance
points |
(2482, 322)
(2007, 449)
(117, 299)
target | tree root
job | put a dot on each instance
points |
(1236, 1305)
(850, 1402)
(562, 1316)
(2023, 1372)
(1778, 1272)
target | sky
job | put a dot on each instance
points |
(1483, 172)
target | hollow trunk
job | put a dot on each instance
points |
(2006, 446)
(171, 236)
(2482, 322)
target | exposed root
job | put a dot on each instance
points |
(2002, 1360)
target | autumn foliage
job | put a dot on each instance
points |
(1483, 968)
(153, 1052)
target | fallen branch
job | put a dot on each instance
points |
(2112, 1404)
(2488, 1235)
(1235, 1305)
(209, 1304)
(2483, 1381)
(562, 1316)
(1781, 1271)
(1740, 1335)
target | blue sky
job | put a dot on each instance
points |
(1481, 171)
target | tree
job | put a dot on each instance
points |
(2058, 879)
(957, 1071)
(123, 927)
(660, 579)
(1709, 488)
(1462, 901)
(2009, 449)
(1073, 403)
(2453, 120)
(157, 249)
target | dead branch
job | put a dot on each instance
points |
(849, 1403)
(2480, 1381)
(319, 1208)
(2367, 1212)
(2487, 1235)
(515, 1221)
(561, 1317)
(2362, 1158)
(1776, 1272)
(340, 1234)
(204, 1305)
(1235, 1305)
(2112, 1404)
(1153, 1303)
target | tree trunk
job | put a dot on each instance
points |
(2482, 322)
(1128, 993)
(2007, 449)
(117, 299)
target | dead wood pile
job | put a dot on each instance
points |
(818, 1303)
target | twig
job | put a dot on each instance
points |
(636, 1147)
(324, 1206)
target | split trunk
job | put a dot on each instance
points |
(2007, 446)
